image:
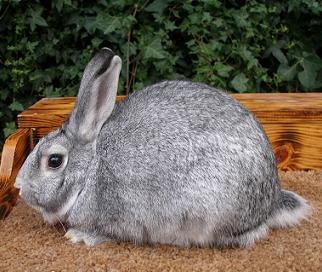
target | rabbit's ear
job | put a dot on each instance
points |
(96, 96)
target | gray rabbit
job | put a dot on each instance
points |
(177, 163)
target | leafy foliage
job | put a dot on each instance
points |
(238, 45)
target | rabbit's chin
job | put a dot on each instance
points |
(61, 214)
(50, 218)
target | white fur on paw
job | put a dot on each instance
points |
(76, 236)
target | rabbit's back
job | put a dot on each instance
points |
(179, 148)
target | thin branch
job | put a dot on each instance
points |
(5, 11)
(128, 83)
(127, 86)
(134, 69)
(143, 6)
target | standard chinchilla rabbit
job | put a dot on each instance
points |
(176, 163)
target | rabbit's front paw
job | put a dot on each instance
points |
(76, 236)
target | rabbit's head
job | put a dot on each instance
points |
(56, 170)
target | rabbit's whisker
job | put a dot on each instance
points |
(61, 223)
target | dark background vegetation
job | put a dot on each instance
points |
(240, 46)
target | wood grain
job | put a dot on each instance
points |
(283, 107)
(297, 146)
(49, 112)
(15, 151)
(268, 108)
(292, 122)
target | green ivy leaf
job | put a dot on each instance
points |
(307, 79)
(36, 18)
(96, 42)
(154, 50)
(222, 69)
(4, 94)
(169, 25)
(239, 83)
(16, 106)
(10, 127)
(60, 3)
(312, 68)
(287, 72)
(51, 92)
(279, 55)
(157, 6)
(312, 62)
(114, 24)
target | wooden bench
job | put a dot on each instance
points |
(293, 123)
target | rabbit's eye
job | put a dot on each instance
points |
(55, 160)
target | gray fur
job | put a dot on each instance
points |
(177, 163)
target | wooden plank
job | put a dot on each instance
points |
(268, 108)
(282, 101)
(38, 133)
(282, 107)
(48, 112)
(292, 121)
(15, 151)
(296, 145)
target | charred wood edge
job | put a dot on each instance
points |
(14, 153)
